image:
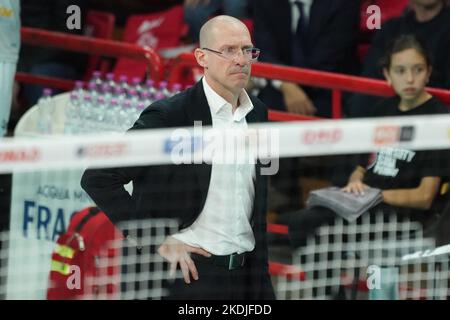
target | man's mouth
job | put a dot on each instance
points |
(240, 72)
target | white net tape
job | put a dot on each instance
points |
(272, 140)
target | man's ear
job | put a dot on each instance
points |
(386, 75)
(201, 58)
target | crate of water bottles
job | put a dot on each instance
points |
(103, 104)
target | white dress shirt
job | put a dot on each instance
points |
(295, 12)
(223, 227)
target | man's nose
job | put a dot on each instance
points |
(240, 58)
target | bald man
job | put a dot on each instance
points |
(221, 246)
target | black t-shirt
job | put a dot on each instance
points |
(398, 168)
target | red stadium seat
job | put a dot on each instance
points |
(389, 9)
(156, 30)
(249, 24)
(98, 25)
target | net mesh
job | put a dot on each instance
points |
(124, 268)
(375, 258)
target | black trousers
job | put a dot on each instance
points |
(214, 283)
(304, 223)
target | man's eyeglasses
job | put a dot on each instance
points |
(231, 53)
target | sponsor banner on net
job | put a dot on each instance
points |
(210, 145)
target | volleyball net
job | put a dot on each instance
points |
(373, 258)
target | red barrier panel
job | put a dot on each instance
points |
(334, 81)
(291, 272)
(45, 81)
(286, 116)
(277, 228)
(92, 46)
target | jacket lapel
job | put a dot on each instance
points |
(252, 117)
(198, 109)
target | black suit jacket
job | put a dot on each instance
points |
(179, 191)
(331, 40)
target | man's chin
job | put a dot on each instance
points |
(241, 79)
(239, 85)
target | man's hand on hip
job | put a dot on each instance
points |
(177, 252)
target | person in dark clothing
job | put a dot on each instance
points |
(314, 34)
(410, 180)
(221, 246)
(429, 21)
(197, 12)
(52, 16)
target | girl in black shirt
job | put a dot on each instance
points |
(409, 180)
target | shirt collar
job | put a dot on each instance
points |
(217, 103)
(305, 2)
(295, 12)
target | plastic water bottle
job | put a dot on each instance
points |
(140, 107)
(45, 112)
(87, 114)
(120, 95)
(176, 88)
(96, 80)
(123, 83)
(127, 115)
(106, 92)
(163, 89)
(72, 114)
(79, 89)
(136, 85)
(134, 112)
(133, 97)
(93, 91)
(110, 80)
(150, 88)
(159, 96)
(146, 98)
(112, 115)
(100, 109)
